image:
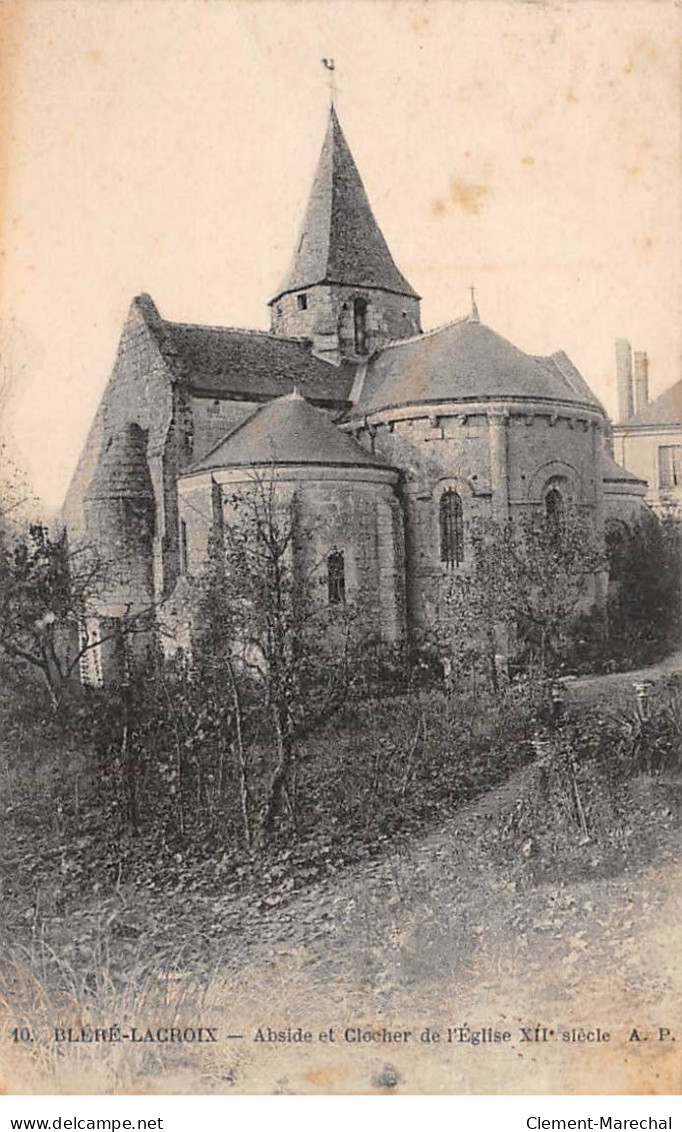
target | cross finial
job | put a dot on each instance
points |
(474, 316)
(330, 66)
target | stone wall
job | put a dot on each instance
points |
(501, 460)
(348, 510)
(140, 391)
(329, 315)
(213, 419)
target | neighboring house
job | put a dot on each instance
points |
(394, 441)
(647, 440)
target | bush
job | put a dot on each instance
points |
(143, 783)
(580, 807)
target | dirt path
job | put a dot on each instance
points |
(592, 687)
(437, 934)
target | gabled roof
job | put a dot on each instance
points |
(466, 360)
(247, 364)
(255, 363)
(287, 431)
(666, 409)
(340, 240)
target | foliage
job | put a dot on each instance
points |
(44, 592)
(49, 603)
(645, 595)
(579, 805)
(522, 591)
(16, 497)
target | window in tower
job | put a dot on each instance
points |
(302, 302)
(360, 324)
(451, 528)
(336, 578)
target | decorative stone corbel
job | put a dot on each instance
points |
(498, 416)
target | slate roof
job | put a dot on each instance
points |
(666, 409)
(287, 431)
(340, 240)
(615, 473)
(247, 364)
(122, 471)
(466, 360)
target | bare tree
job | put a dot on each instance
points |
(286, 651)
(47, 593)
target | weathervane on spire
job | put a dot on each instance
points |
(474, 316)
(330, 66)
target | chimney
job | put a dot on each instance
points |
(641, 380)
(624, 379)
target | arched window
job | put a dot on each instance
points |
(360, 325)
(451, 528)
(554, 510)
(336, 578)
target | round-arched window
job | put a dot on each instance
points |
(554, 510)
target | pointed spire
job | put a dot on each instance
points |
(340, 240)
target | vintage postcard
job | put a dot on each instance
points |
(341, 547)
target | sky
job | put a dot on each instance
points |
(530, 149)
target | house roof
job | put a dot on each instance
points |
(250, 364)
(340, 240)
(287, 431)
(665, 409)
(615, 473)
(466, 360)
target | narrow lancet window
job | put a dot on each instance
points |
(183, 547)
(336, 578)
(360, 321)
(451, 528)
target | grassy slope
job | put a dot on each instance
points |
(437, 932)
(439, 929)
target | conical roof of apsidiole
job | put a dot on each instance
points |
(122, 471)
(287, 431)
(466, 361)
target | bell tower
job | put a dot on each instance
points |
(343, 290)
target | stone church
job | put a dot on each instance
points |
(394, 440)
